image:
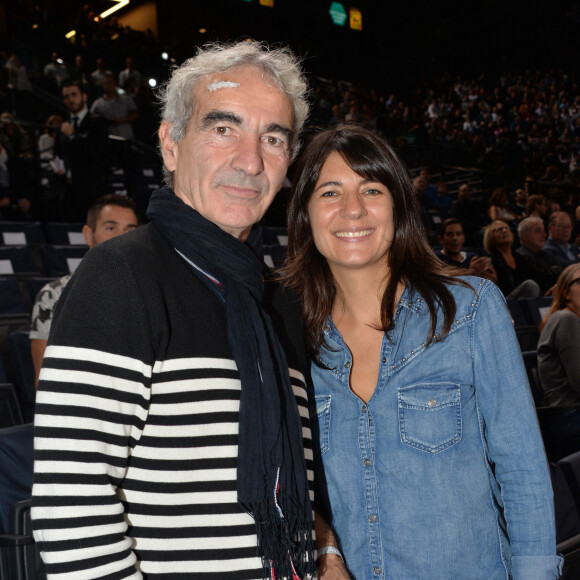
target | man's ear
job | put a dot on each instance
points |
(169, 149)
(88, 235)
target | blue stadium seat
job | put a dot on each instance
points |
(23, 369)
(10, 411)
(61, 260)
(21, 233)
(17, 260)
(11, 301)
(65, 234)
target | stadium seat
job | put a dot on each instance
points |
(65, 234)
(21, 233)
(11, 301)
(23, 369)
(17, 260)
(10, 412)
(536, 308)
(61, 260)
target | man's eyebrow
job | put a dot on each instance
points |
(214, 117)
(276, 128)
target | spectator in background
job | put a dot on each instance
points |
(538, 263)
(468, 212)
(109, 217)
(53, 177)
(56, 70)
(98, 76)
(575, 237)
(120, 111)
(431, 191)
(537, 206)
(497, 207)
(80, 72)
(511, 275)
(442, 201)
(558, 242)
(19, 83)
(82, 143)
(20, 164)
(47, 138)
(559, 363)
(518, 205)
(452, 238)
(130, 73)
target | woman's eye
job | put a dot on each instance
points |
(373, 191)
(329, 194)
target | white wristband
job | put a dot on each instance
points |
(328, 550)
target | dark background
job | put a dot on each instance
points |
(402, 43)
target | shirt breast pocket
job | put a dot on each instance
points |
(430, 416)
(321, 423)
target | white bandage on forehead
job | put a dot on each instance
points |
(222, 85)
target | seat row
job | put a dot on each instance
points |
(45, 260)
(36, 233)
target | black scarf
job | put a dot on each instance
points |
(272, 483)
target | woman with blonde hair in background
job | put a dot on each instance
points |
(559, 363)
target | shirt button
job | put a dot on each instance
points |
(364, 409)
(377, 570)
(347, 364)
(367, 462)
(372, 518)
(384, 359)
(431, 402)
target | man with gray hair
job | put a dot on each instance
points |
(172, 432)
(537, 262)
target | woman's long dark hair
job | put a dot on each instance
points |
(411, 260)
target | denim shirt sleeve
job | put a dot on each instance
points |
(536, 567)
(513, 441)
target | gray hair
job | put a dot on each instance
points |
(279, 64)
(526, 224)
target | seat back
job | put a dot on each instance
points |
(536, 308)
(23, 368)
(10, 411)
(11, 301)
(61, 260)
(566, 484)
(21, 233)
(17, 260)
(65, 234)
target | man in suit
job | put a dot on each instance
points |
(82, 144)
(560, 231)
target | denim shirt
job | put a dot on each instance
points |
(442, 474)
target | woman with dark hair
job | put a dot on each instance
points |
(430, 461)
(497, 208)
(559, 363)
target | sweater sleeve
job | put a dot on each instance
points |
(91, 406)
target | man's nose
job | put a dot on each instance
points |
(248, 155)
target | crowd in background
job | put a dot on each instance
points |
(520, 128)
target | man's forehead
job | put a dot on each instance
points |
(244, 90)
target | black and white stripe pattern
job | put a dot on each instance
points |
(135, 462)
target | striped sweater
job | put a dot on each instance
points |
(136, 422)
